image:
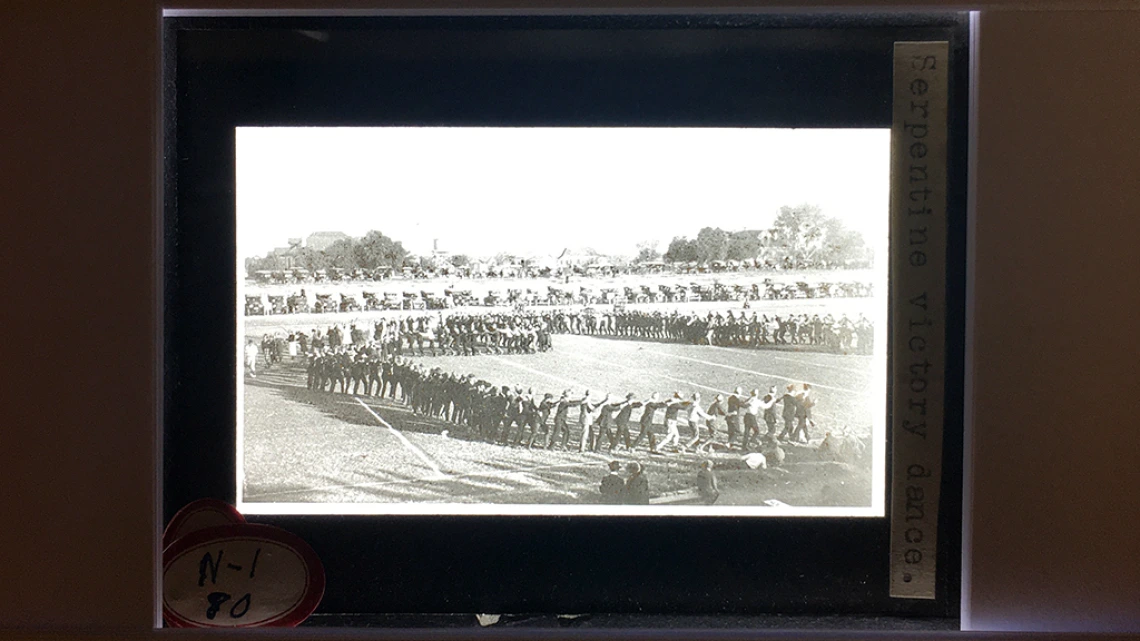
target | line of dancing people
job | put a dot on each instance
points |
(529, 332)
(457, 334)
(730, 329)
(589, 422)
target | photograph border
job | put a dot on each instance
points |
(843, 582)
(878, 450)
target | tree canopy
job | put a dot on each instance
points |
(373, 250)
(647, 252)
(800, 235)
(805, 234)
(682, 250)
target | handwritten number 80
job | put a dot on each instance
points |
(216, 599)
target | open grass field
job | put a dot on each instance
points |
(308, 447)
(617, 366)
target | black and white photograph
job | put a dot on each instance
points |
(562, 321)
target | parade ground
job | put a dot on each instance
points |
(318, 447)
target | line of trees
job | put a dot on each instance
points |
(373, 250)
(799, 235)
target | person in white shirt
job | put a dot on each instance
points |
(752, 408)
(589, 416)
(251, 357)
(672, 408)
(767, 406)
(804, 402)
(695, 416)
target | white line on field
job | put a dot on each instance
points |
(665, 376)
(537, 371)
(749, 371)
(690, 383)
(403, 439)
(678, 380)
(813, 364)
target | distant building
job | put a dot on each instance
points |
(287, 257)
(578, 258)
(440, 255)
(322, 240)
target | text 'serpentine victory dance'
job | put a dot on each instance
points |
(593, 321)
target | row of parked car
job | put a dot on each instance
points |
(299, 303)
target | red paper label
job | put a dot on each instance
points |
(200, 515)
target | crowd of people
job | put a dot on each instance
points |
(457, 334)
(633, 489)
(376, 359)
(524, 332)
(731, 329)
(513, 416)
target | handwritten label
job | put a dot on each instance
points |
(240, 575)
(918, 295)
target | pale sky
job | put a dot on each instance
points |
(533, 191)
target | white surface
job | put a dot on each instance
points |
(1055, 505)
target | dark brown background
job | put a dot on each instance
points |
(1053, 537)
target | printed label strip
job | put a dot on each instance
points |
(918, 311)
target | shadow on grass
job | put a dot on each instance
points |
(807, 477)
(288, 382)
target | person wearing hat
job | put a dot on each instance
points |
(589, 417)
(636, 486)
(673, 407)
(529, 418)
(514, 413)
(605, 424)
(528, 407)
(752, 409)
(387, 371)
(789, 414)
(339, 372)
(312, 368)
(734, 416)
(621, 421)
(491, 410)
(539, 421)
(648, 409)
(358, 373)
(695, 416)
(706, 483)
(804, 402)
(372, 377)
(718, 408)
(613, 485)
(769, 406)
(251, 357)
(560, 433)
(497, 402)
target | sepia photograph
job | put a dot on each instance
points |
(562, 321)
